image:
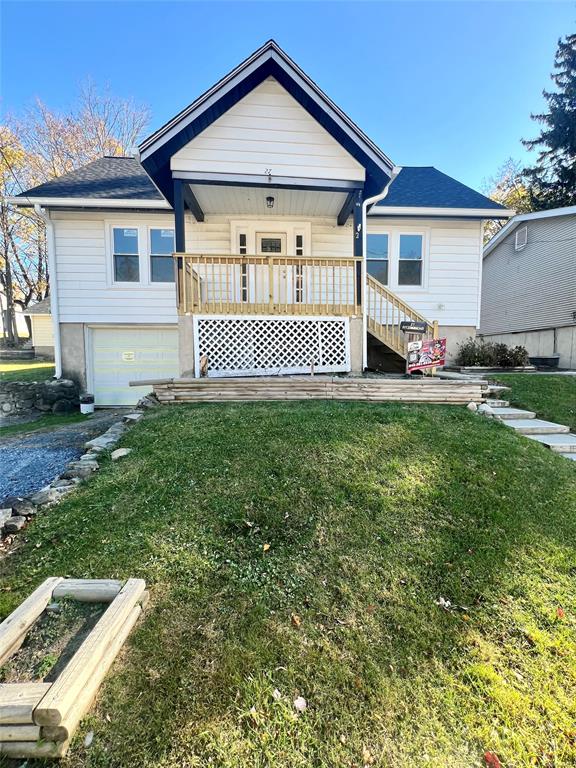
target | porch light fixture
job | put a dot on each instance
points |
(270, 202)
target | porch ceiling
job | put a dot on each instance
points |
(236, 200)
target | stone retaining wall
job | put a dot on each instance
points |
(57, 396)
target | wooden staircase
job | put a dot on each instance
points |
(385, 311)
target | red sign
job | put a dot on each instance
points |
(431, 353)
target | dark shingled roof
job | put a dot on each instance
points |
(426, 187)
(40, 308)
(111, 178)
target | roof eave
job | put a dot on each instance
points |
(535, 215)
(88, 202)
(433, 212)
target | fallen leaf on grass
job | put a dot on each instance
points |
(367, 757)
(89, 738)
(300, 704)
(265, 547)
(560, 612)
(491, 759)
(296, 620)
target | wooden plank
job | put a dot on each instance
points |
(19, 733)
(88, 590)
(18, 701)
(86, 697)
(33, 749)
(66, 689)
(14, 628)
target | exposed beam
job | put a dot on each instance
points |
(272, 182)
(346, 209)
(192, 203)
(179, 229)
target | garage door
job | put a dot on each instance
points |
(124, 354)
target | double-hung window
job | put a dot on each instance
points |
(410, 254)
(377, 257)
(126, 255)
(161, 250)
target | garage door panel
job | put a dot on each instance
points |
(121, 355)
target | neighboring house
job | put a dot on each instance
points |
(262, 190)
(529, 285)
(42, 327)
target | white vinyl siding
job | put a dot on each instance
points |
(451, 265)
(268, 129)
(451, 271)
(534, 288)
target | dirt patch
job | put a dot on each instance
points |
(51, 642)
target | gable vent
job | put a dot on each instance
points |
(521, 238)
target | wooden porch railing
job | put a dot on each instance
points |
(385, 311)
(268, 285)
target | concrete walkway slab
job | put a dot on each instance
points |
(571, 456)
(564, 443)
(506, 413)
(536, 427)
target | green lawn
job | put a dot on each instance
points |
(300, 549)
(25, 370)
(551, 397)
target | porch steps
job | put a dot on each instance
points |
(493, 403)
(172, 391)
(563, 443)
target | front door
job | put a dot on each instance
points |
(274, 244)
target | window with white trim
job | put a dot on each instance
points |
(377, 257)
(125, 255)
(161, 250)
(410, 258)
(521, 238)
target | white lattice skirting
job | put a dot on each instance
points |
(263, 345)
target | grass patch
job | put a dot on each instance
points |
(551, 397)
(372, 513)
(25, 370)
(47, 421)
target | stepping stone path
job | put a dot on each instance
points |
(557, 437)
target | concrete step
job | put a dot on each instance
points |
(505, 413)
(563, 443)
(536, 427)
(571, 456)
(497, 403)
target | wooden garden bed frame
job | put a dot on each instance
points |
(39, 719)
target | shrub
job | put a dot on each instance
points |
(488, 354)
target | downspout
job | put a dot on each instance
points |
(54, 307)
(370, 201)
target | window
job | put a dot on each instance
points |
(161, 250)
(126, 258)
(521, 238)
(377, 257)
(410, 260)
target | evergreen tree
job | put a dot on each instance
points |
(552, 181)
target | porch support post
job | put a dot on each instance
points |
(358, 241)
(179, 242)
(179, 229)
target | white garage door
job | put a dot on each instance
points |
(124, 354)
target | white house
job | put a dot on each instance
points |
(258, 231)
(529, 285)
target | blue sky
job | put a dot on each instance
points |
(449, 84)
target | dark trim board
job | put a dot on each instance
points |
(346, 209)
(275, 182)
(192, 203)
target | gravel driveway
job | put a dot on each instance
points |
(30, 461)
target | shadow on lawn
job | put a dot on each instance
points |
(372, 514)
